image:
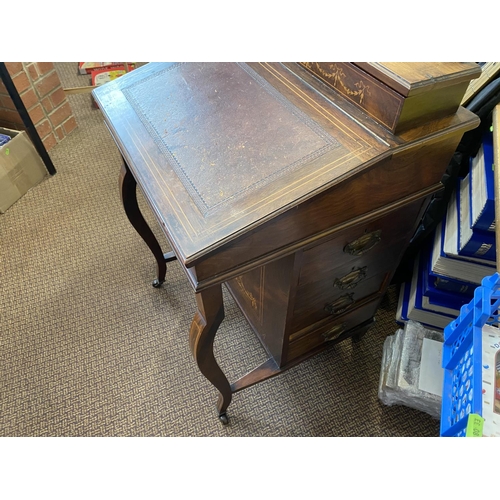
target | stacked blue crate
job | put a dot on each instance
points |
(462, 358)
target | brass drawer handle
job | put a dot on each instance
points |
(335, 332)
(363, 244)
(350, 280)
(340, 305)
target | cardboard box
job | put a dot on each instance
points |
(21, 168)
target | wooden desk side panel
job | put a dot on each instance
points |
(266, 297)
(406, 173)
(421, 108)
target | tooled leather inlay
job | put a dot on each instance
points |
(224, 129)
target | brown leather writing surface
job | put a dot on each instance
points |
(214, 165)
(226, 131)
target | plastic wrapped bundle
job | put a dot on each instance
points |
(400, 375)
(391, 357)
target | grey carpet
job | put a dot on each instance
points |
(89, 348)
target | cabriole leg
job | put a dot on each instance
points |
(205, 323)
(128, 193)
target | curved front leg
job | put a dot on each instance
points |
(205, 323)
(128, 194)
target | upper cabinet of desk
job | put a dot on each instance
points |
(399, 95)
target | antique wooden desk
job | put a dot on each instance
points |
(297, 185)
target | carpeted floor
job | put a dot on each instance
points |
(89, 348)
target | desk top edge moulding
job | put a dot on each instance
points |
(296, 185)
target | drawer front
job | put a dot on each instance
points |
(325, 299)
(379, 241)
(329, 331)
(350, 267)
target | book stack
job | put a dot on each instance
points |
(461, 253)
(477, 205)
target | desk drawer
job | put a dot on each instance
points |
(328, 331)
(380, 240)
(356, 263)
(321, 300)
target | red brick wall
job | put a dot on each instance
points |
(41, 91)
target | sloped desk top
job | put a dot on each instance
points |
(221, 148)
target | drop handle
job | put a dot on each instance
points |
(340, 305)
(363, 244)
(334, 332)
(350, 280)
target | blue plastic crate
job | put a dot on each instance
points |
(462, 352)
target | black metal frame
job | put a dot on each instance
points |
(28, 123)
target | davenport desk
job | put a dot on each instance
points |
(297, 185)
